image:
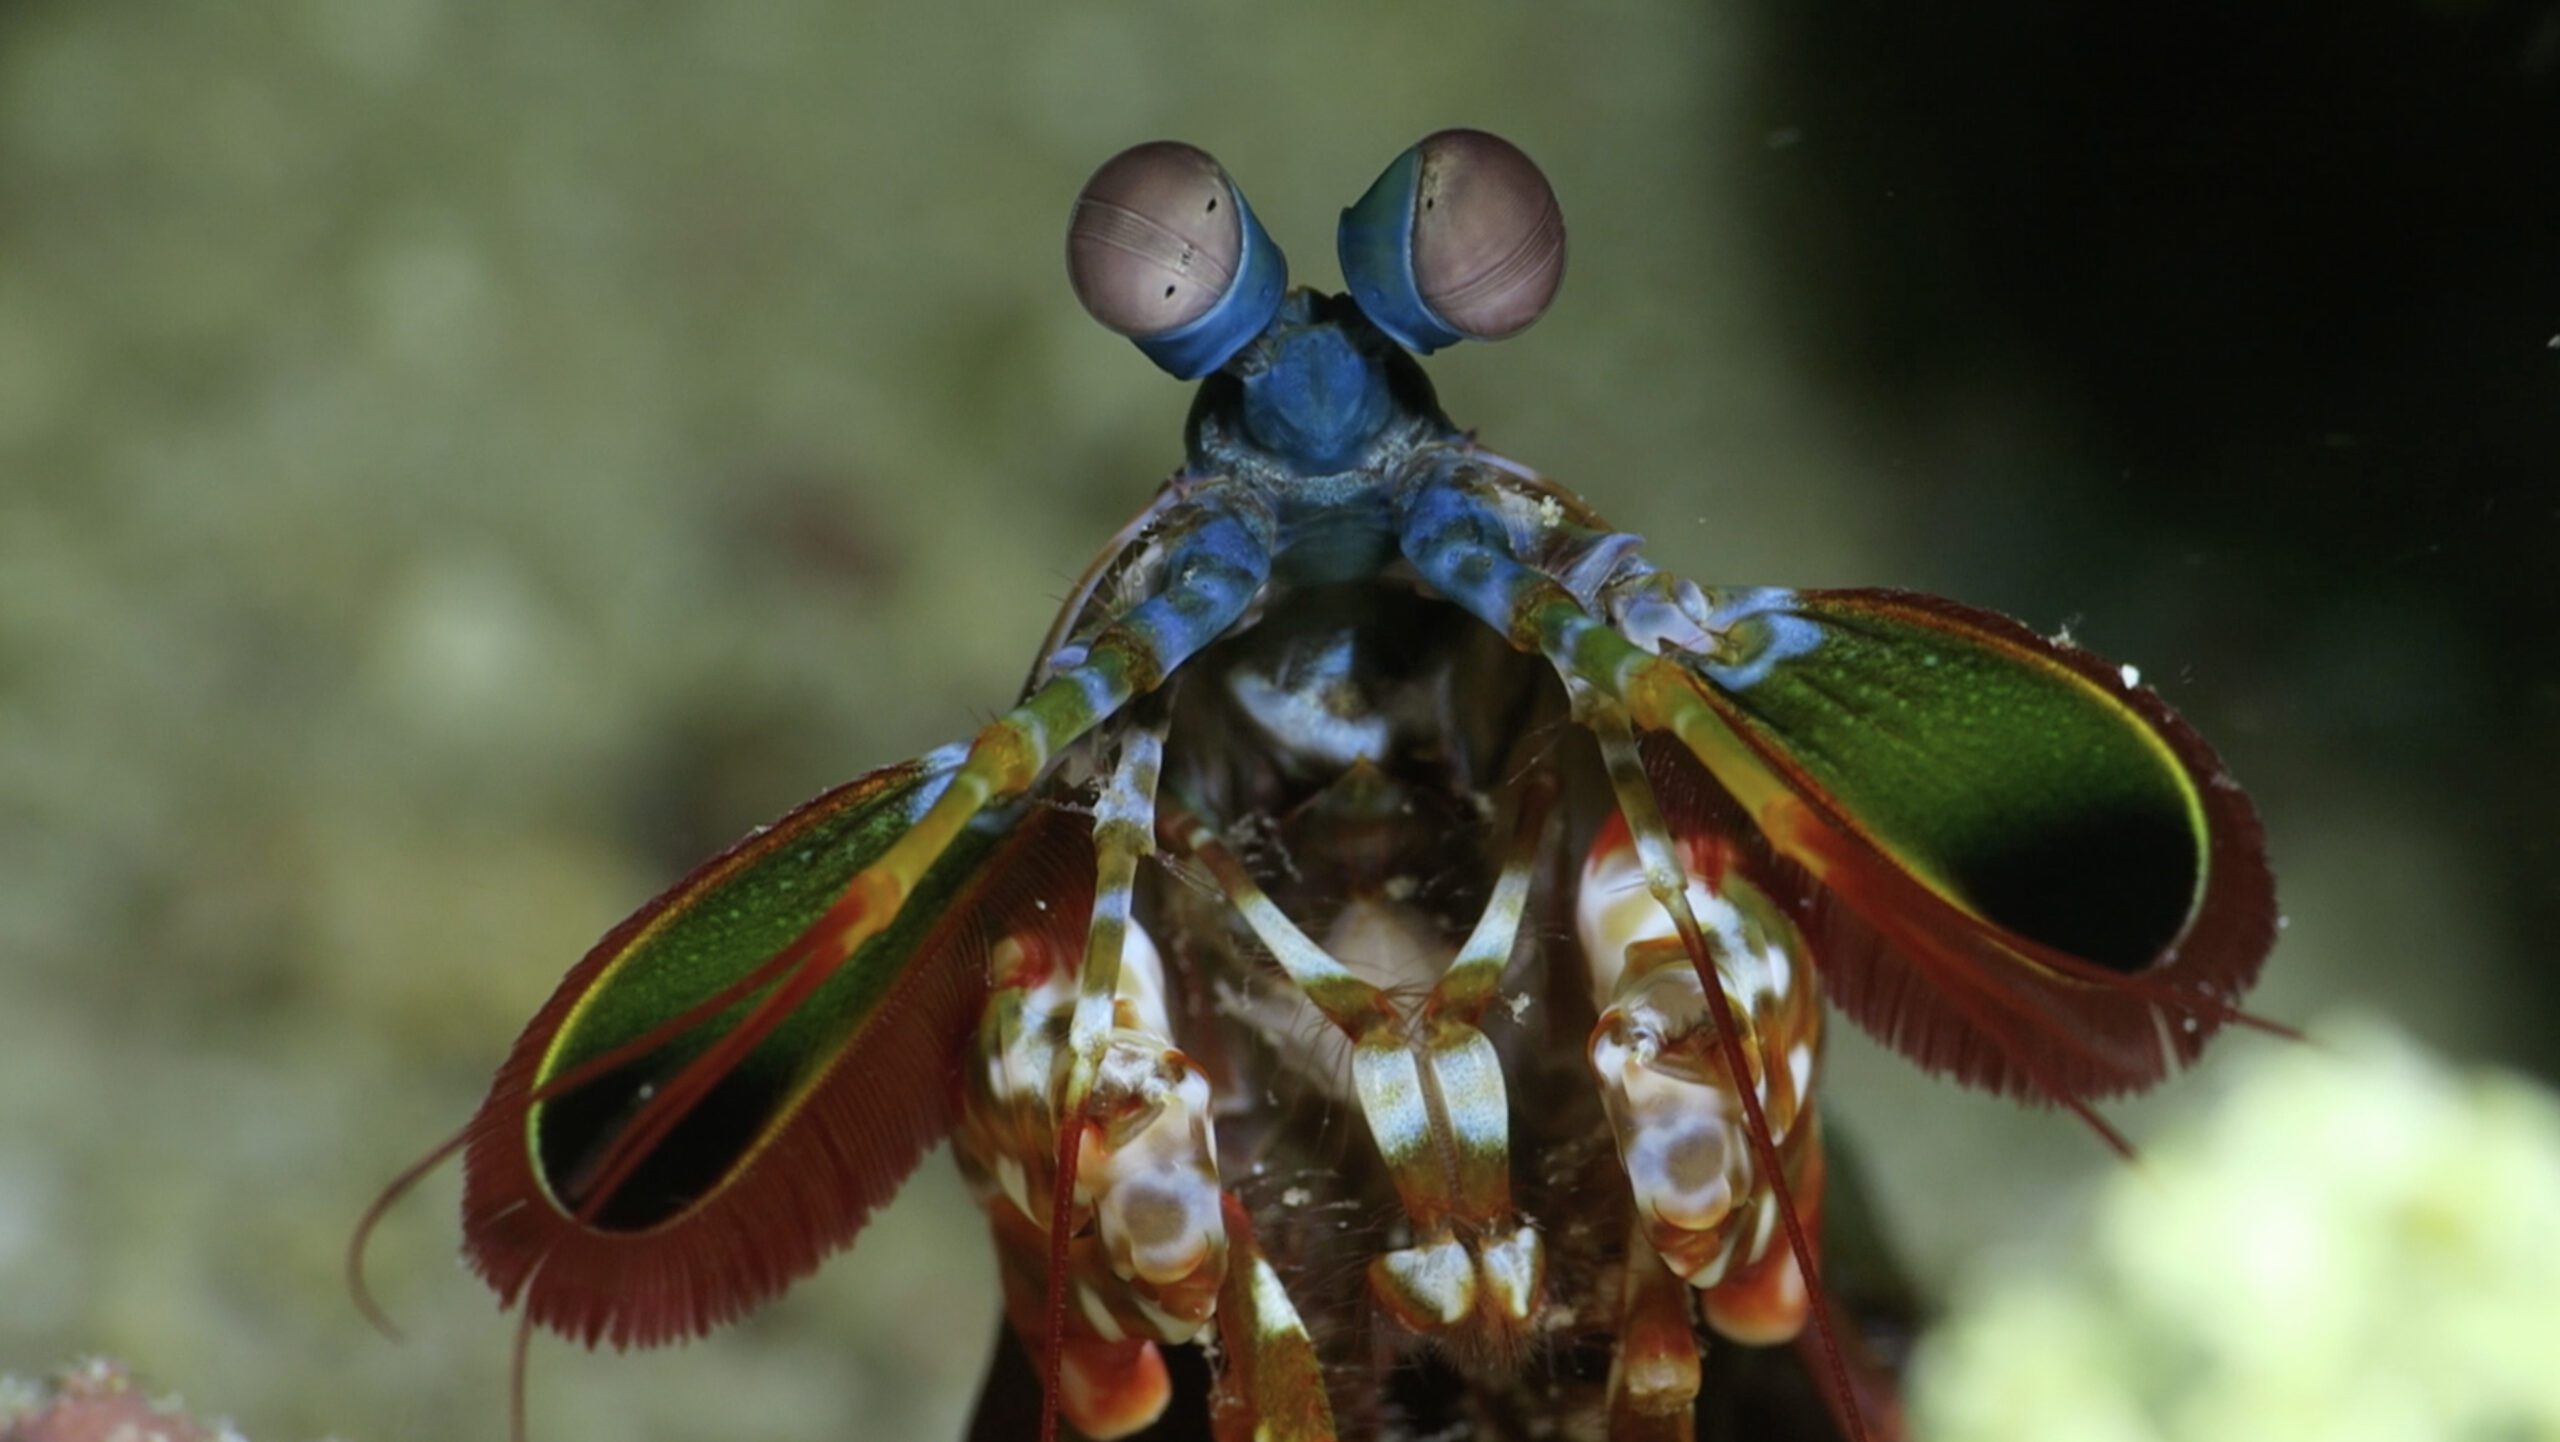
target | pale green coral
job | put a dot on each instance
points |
(2357, 1243)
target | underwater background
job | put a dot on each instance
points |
(461, 463)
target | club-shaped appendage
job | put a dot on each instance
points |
(1163, 249)
(1701, 1199)
(1460, 239)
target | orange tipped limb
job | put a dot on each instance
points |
(1668, 881)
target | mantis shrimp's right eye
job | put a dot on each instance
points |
(1163, 249)
(1459, 239)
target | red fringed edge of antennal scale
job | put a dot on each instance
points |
(1965, 997)
(805, 1190)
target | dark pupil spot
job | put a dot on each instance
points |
(575, 1135)
(1213, 204)
(1168, 292)
(2112, 888)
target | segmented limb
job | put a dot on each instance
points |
(1271, 1388)
(1139, 1247)
(1123, 833)
(1654, 1373)
(1460, 545)
(1431, 1091)
(1704, 1214)
(1218, 556)
(1118, 555)
(1474, 977)
(1664, 1081)
(1145, 1248)
(1668, 883)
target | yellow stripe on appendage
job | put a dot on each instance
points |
(1120, 838)
(1472, 979)
(1658, 696)
(1003, 761)
(1346, 1000)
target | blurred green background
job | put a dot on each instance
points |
(460, 463)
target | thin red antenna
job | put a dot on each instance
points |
(578, 1076)
(1873, 1395)
(2052, 1089)
(1667, 877)
(1062, 1196)
(808, 970)
(1756, 1123)
(400, 1187)
(517, 1431)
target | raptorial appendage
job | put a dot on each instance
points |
(1148, 1248)
(1350, 986)
(1427, 1081)
(1701, 1201)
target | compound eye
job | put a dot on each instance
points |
(1460, 239)
(1163, 249)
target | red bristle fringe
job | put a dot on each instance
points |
(802, 1193)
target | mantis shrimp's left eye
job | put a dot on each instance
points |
(1460, 239)
(1163, 249)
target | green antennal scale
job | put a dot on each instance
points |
(1358, 741)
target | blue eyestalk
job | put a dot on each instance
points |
(1164, 250)
(1375, 241)
(1459, 239)
(1242, 313)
